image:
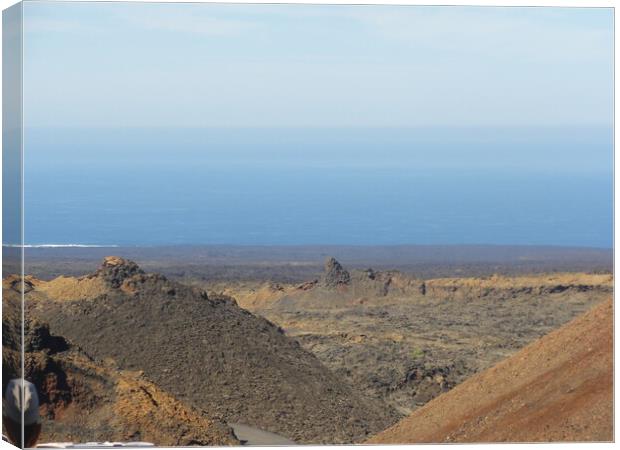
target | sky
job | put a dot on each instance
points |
(155, 123)
(226, 65)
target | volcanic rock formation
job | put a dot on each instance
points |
(207, 352)
(334, 274)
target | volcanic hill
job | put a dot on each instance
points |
(206, 352)
(82, 399)
(559, 388)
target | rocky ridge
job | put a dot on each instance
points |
(407, 340)
(209, 353)
(340, 288)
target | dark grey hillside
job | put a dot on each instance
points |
(214, 355)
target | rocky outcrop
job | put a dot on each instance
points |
(37, 338)
(334, 274)
(501, 287)
(308, 285)
(115, 270)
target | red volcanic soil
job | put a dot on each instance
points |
(559, 388)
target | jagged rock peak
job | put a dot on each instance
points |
(115, 270)
(335, 274)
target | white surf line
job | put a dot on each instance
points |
(59, 246)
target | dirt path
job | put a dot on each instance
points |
(255, 436)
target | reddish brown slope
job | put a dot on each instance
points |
(559, 388)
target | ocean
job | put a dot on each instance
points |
(306, 186)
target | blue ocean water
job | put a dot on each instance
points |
(536, 186)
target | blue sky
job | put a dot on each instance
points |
(448, 124)
(209, 65)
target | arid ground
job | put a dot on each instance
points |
(232, 346)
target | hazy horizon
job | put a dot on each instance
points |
(171, 124)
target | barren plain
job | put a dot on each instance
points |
(230, 346)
